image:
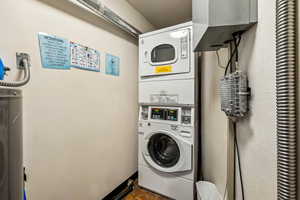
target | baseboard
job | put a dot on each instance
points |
(121, 188)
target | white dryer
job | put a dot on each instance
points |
(167, 66)
(168, 151)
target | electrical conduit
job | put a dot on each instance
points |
(20, 83)
(286, 99)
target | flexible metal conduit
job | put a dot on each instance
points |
(286, 99)
(21, 82)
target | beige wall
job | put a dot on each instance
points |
(79, 126)
(124, 9)
(257, 133)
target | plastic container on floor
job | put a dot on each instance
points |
(207, 191)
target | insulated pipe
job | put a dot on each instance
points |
(96, 7)
(26, 79)
(286, 99)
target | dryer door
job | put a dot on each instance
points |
(167, 153)
(165, 53)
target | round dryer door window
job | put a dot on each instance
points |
(163, 150)
(163, 53)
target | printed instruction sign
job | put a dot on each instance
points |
(84, 57)
(112, 65)
(55, 52)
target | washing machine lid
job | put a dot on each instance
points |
(166, 152)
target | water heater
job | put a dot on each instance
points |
(216, 20)
(11, 145)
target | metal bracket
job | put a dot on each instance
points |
(20, 58)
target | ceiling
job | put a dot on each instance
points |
(163, 13)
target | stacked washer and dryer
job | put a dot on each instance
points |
(168, 122)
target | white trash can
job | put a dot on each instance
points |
(207, 191)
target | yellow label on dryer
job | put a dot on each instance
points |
(163, 69)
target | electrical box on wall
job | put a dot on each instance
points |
(216, 20)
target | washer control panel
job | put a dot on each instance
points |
(176, 115)
(164, 114)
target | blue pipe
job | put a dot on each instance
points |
(2, 70)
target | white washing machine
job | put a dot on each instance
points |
(167, 66)
(168, 151)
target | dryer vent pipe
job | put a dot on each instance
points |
(286, 78)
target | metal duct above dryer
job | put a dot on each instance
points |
(215, 21)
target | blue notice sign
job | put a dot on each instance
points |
(112, 65)
(55, 52)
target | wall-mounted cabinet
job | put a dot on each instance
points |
(216, 20)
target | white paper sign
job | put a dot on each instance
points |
(84, 57)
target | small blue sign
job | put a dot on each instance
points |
(55, 52)
(112, 65)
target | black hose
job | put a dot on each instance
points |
(233, 53)
(239, 160)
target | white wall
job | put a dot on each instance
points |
(257, 133)
(79, 126)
